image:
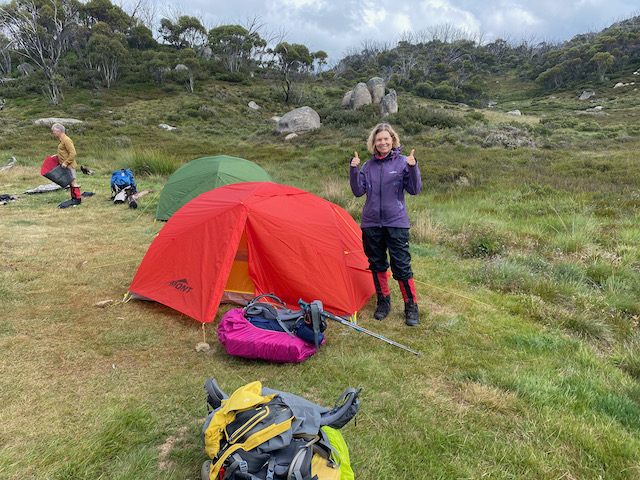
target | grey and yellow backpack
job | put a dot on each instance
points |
(263, 434)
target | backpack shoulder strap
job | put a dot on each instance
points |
(255, 307)
(313, 319)
(300, 466)
(270, 311)
(343, 412)
(272, 430)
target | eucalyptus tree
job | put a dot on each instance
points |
(5, 56)
(187, 57)
(158, 64)
(320, 59)
(602, 61)
(186, 32)
(292, 59)
(41, 31)
(234, 45)
(108, 50)
(116, 18)
(141, 37)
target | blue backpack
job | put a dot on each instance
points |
(122, 179)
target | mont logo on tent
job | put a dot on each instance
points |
(246, 239)
(202, 175)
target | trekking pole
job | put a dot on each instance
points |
(349, 324)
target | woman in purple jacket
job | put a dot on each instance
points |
(385, 224)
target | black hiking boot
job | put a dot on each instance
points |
(411, 314)
(384, 305)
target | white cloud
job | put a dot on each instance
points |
(432, 13)
(401, 22)
(337, 26)
(300, 3)
(373, 16)
(513, 18)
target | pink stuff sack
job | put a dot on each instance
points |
(242, 339)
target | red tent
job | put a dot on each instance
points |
(246, 239)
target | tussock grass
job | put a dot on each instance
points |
(525, 261)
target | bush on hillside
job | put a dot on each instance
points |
(508, 137)
(477, 117)
(444, 92)
(429, 117)
(559, 121)
(339, 118)
(234, 77)
(425, 89)
(412, 128)
(480, 241)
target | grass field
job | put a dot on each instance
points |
(525, 245)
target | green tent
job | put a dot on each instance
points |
(202, 175)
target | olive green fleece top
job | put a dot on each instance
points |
(67, 152)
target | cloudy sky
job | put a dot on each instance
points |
(341, 26)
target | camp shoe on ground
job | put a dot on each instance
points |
(384, 305)
(411, 314)
(70, 203)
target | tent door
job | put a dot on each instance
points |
(239, 287)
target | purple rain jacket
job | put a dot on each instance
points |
(384, 181)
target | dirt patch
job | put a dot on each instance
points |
(167, 446)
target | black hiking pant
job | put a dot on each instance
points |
(378, 240)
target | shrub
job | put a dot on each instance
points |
(477, 117)
(588, 127)
(541, 130)
(480, 241)
(206, 111)
(147, 162)
(558, 121)
(339, 118)
(120, 142)
(412, 128)
(509, 137)
(444, 92)
(425, 89)
(430, 117)
(234, 77)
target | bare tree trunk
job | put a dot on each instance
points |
(43, 44)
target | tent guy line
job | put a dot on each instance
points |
(426, 284)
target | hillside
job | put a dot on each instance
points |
(524, 241)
